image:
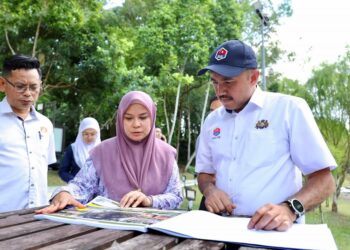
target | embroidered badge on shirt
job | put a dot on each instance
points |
(216, 133)
(43, 130)
(262, 124)
(221, 54)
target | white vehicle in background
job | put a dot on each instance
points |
(345, 190)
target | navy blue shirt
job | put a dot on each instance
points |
(68, 168)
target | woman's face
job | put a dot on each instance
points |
(137, 122)
(158, 133)
(89, 135)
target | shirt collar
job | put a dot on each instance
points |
(257, 100)
(5, 108)
(258, 97)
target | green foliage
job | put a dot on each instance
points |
(91, 57)
(191, 170)
(330, 88)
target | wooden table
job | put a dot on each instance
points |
(19, 230)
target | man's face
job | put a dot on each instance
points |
(234, 93)
(28, 80)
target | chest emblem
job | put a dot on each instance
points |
(216, 131)
(262, 124)
(43, 130)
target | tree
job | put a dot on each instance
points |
(91, 57)
(330, 87)
(80, 56)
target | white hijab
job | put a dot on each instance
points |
(79, 147)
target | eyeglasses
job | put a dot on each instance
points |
(21, 87)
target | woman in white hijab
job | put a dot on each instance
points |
(76, 154)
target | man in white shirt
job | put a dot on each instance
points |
(254, 150)
(26, 137)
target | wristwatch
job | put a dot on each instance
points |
(296, 207)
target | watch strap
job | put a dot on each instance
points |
(297, 211)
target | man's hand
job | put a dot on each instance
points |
(59, 202)
(272, 217)
(134, 199)
(217, 201)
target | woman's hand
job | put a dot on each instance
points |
(59, 202)
(135, 198)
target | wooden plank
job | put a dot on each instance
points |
(100, 239)
(26, 228)
(46, 237)
(20, 212)
(15, 220)
(146, 241)
(190, 244)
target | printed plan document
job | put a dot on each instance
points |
(104, 213)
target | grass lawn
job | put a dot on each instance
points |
(339, 223)
(54, 179)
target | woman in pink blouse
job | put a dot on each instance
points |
(134, 168)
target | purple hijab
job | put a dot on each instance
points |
(125, 165)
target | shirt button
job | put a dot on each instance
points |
(32, 185)
(32, 202)
(234, 158)
(32, 167)
(236, 138)
(30, 152)
(28, 136)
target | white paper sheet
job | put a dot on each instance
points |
(208, 226)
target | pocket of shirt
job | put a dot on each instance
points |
(260, 147)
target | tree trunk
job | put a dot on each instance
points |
(8, 42)
(202, 121)
(189, 134)
(175, 113)
(205, 103)
(334, 204)
(36, 37)
(166, 116)
(178, 136)
(321, 213)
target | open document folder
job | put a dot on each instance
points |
(104, 213)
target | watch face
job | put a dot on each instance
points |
(298, 206)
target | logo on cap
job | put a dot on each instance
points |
(221, 54)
